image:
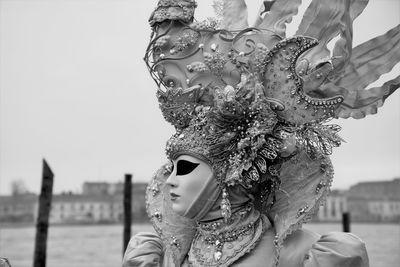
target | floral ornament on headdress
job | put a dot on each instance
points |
(236, 136)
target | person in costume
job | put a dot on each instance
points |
(249, 162)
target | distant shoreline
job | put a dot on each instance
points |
(24, 225)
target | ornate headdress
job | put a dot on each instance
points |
(254, 103)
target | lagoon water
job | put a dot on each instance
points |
(101, 245)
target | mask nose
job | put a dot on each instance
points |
(172, 181)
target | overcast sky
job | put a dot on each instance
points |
(75, 90)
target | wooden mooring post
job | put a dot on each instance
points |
(127, 211)
(42, 221)
(346, 219)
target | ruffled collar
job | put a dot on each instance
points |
(218, 243)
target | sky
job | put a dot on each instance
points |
(75, 91)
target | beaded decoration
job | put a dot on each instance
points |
(215, 242)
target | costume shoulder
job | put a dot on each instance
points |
(144, 249)
(308, 249)
(337, 249)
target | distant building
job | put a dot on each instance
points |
(390, 189)
(333, 208)
(118, 188)
(17, 208)
(139, 213)
(103, 188)
(375, 201)
(95, 188)
(101, 203)
(86, 209)
(385, 210)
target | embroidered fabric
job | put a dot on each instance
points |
(221, 244)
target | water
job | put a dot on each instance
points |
(101, 245)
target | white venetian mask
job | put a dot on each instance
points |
(187, 182)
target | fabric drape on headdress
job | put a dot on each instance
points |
(233, 14)
(305, 184)
(280, 14)
(354, 69)
(368, 62)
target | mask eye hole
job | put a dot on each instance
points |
(184, 167)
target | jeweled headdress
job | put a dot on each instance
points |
(254, 103)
